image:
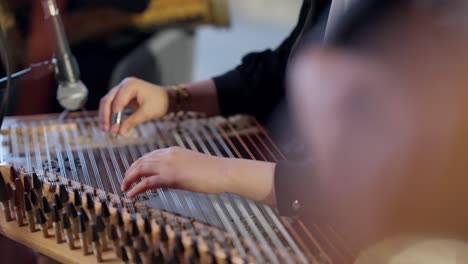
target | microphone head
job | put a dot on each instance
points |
(72, 95)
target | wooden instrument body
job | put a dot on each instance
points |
(73, 152)
(62, 253)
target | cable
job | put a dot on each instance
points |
(6, 62)
(34, 69)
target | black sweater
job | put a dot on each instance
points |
(257, 87)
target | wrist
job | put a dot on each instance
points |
(252, 179)
(171, 97)
(166, 105)
(179, 98)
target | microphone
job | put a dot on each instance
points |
(72, 93)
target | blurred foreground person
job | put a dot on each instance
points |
(388, 128)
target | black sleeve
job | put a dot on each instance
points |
(293, 185)
(258, 83)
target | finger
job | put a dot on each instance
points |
(123, 97)
(144, 169)
(148, 157)
(152, 182)
(136, 163)
(139, 116)
(104, 109)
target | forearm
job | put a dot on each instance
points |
(252, 179)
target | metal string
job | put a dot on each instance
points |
(265, 147)
(130, 149)
(217, 205)
(217, 201)
(272, 216)
(58, 153)
(190, 195)
(240, 204)
(14, 143)
(37, 148)
(265, 134)
(26, 146)
(126, 166)
(236, 134)
(329, 243)
(58, 149)
(95, 135)
(175, 139)
(210, 214)
(218, 153)
(49, 158)
(55, 140)
(178, 194)
(270, 212)
(90, 154)
(251, 204)
(193, 201)
(322, 252)
(161, 193)
(117, 170)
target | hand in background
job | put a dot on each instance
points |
(147, 100)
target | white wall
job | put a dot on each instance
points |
(255, 25)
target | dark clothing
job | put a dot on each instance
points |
(259, 81)
(257, 87)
